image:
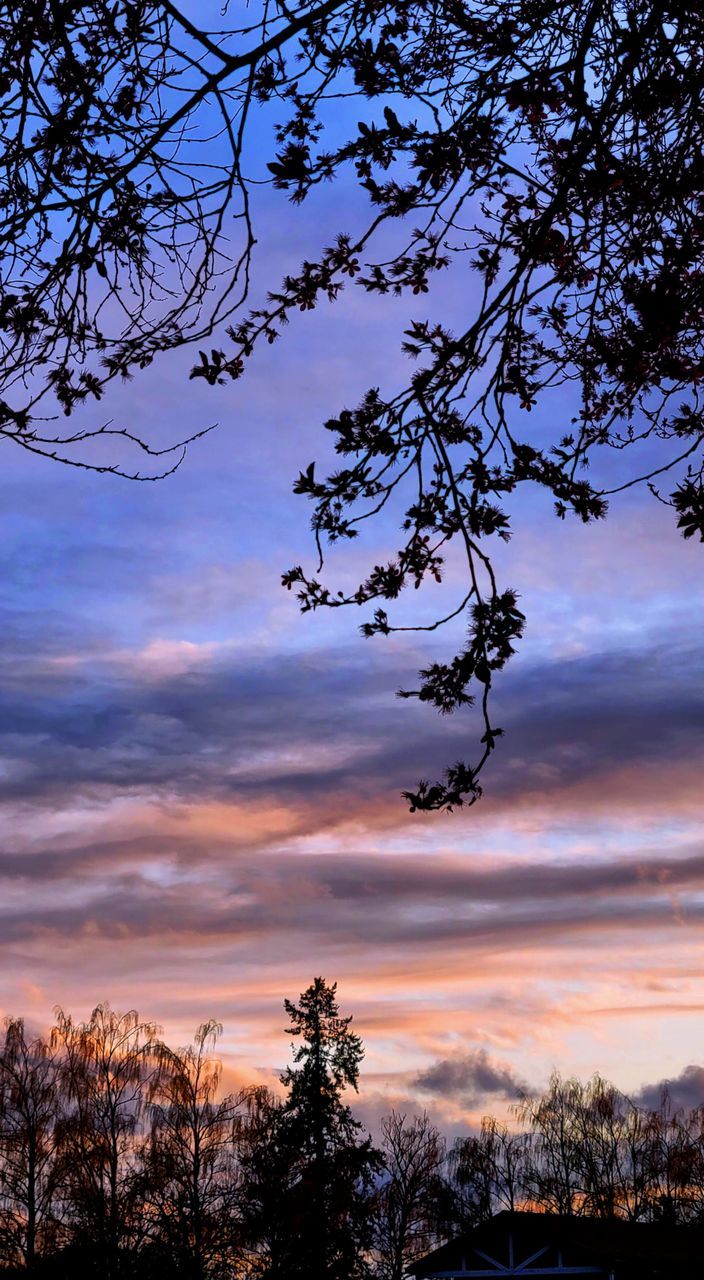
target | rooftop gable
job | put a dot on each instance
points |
(542, 1245)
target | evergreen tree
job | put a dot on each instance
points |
(268, 1174)
(333, 1163)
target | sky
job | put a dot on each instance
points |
(199, 789)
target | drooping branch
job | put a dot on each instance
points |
(549, 154)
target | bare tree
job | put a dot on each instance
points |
(556, 1175)
(191, 1170)
(676, 1174)
(410, 1203)
(593, 1151)
(490, 1171)
(29, 1105)
(106, 1067)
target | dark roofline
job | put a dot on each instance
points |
(606, 1239)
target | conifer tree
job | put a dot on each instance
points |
(333, 1162)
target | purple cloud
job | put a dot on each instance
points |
(471, 1078)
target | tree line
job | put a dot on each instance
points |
(123, 1157)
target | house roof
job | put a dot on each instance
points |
(629, 1250)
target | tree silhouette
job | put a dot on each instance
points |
(488, 1172)
(29, 1106)
(410, 1210)
(269, 1174)
(329, 1206)
(548, 155)
(191, 1168)
(122, 1157)
(107, 1065)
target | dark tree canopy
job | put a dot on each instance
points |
(122, 1157)
(548, 154)
(335, 1163)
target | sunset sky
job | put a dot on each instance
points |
(200, 789)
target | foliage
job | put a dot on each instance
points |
(268, 1178)
(329, 1224)
(548, 155)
